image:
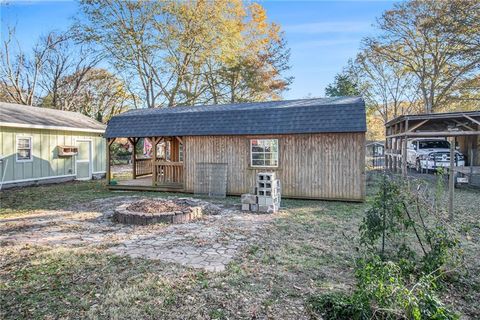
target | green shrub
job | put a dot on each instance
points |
(393, 295)
(385, 215)
(443, 249)
(338, 305)
(406, 250)
(395, 226)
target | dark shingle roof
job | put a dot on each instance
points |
(16, 115)
(342, 114)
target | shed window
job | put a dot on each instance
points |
(24, 149)
(264, 152)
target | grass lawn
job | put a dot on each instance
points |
(308, 248)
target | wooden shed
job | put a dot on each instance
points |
(316, 146)
(41, 145)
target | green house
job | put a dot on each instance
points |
(40, 145)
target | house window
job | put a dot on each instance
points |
(24, 149)
(264, 152)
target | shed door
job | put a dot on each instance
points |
(84, 160)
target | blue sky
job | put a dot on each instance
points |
(322, 35)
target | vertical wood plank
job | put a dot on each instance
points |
(323, 166)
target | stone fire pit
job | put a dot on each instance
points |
(147, 211)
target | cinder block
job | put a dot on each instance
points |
(274, 184)
(249, 198)
(254, 207)
(272, 208)
(266, 176)
(262, 208)
(269, 209)
(245, 207)
(261, 200)
(265, 200)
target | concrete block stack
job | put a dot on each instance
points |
(267, 195)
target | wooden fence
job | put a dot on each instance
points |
(169, 173)
(143, 167)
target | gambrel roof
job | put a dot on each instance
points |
(339, 114)
(21, 116)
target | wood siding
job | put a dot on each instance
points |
(316, 166)
(46, 162)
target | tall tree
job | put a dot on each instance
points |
(95, 93)
(436, 41)
(386, 87)
(343, 85)
(67, 61)
(189, 52)
(20, 71)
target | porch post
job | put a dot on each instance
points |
(154, 141)
(109, 143)
(174, 152)
(133, 142)
(175, 157)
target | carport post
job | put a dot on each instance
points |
(451, 177)
(404, 156)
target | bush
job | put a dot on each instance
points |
(338, 305)
(395, 226)
(393, 295)
(403, 258)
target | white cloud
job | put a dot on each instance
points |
(328, 27)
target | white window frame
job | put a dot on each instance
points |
(30, 138)
(264, 166)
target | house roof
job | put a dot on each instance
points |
(372, 142)
(21, 116)
(340, 114)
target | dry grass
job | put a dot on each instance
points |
(308, 249)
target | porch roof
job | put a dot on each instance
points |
(339, 114)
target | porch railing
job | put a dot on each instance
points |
(143, 167)
(169, 173)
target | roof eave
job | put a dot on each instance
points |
(432, 116)
(108, 136)
(37, 126)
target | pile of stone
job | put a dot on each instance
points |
(132, 213)
(267, 194)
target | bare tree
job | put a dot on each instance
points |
(385, 86)
(433, 40)
(65, 66)
(19, 71)
(96, 93)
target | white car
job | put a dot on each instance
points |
(431, 153)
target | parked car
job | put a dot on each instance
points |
(431, 153)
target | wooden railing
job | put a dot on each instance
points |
(169, 173)
(143, 167)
